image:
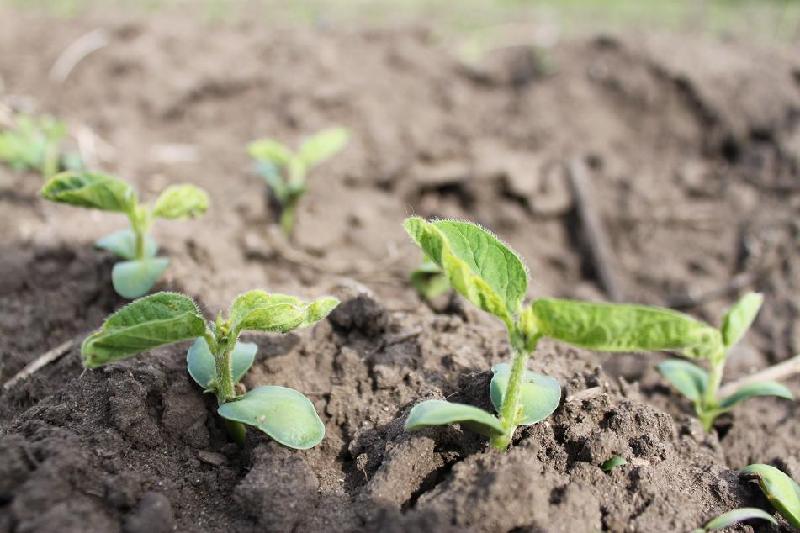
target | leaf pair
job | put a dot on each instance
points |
(141, 269)
(539, 399)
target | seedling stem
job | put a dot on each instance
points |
(509, 412)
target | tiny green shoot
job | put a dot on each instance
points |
(34, 143)
(217, 360)
(285, 170)
(734, 517)
(141, 267)
(612, 463)
(429, 280)
(781, 490)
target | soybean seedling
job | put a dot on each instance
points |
(141, 268)
(429, 280)
(285, 170)
(217, 361)
(33, 143)
(734, 517)
(781, 491)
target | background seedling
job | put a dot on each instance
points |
(429, 280)
(781, 490)
(285, 170)
(34, 143)
(612, 463)
(734, 517)
(141, 268)
(217, 361)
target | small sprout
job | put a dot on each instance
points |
(781, 491)
(141, 268)
(429, 280)
(285, 170)
(34, 143)
(217, 360)
(614, 462)
(734, 517)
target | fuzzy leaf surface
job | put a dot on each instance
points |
(149, 322)
(282, 413)
(181, 201)
(258, 310)
(89, 189)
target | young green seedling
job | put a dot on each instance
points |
(734, 517)
(781, 491)
(34, 143)
(217, 360)
(141, 268)
(429, 280)
(285, 170)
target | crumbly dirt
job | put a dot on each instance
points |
(692, 149)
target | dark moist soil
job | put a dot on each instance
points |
(692, 149)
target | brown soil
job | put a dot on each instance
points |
(693, 151)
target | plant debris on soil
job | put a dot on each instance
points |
(692, 151)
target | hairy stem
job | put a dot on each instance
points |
(509, 411)
(223, 362)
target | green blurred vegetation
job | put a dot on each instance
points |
(754, 19)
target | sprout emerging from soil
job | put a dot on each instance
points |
(34, 143)
(141, 268)
(285, 170)
(217, 361)
(781, 491)
(734, 517)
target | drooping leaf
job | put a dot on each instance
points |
(282, 413)
(763, 388)
(612, 463)
(443, 413)
(738, 515)
(322, 146)
(624, 327)
(781, 491)
(689, 379)
(476, 263)
(181, 201)
(258, 310)
(132, 279)
(123, 244)
(540, 394)
(149, 322)
(90, 189)
(740, 317)
(270, 151)
(200, 362)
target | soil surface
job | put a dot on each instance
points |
(692, 149)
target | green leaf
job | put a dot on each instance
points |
(200, 362)
(625, 327)
(123, 244)
(149, 322)
(781, 491)
(477, 264)
(763, 388)
(132, 279)
(740, 317)
(540, 394)
(429, 280)
(322, 146)
(738, 515)
(88, 189)
(284, 414)
(443, 413)
(689, 379)
(612, 463)
(181, 201)
(258, 310)
(270, 151)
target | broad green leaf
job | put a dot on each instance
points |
(612, 463)
(443, 413)
(540, 394)
(270, 151)
(689, 379)
(149, 322)
(738, 515)
(132, 279)
(88, 189)
(763, 388)
(123, 244)
(181, 201)
(322, 146)
(625, 327)
(429, 280)
(740, 317)
(284, 414)
(781, 491)
(200, 361)
(477, 264)
(260, 311)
